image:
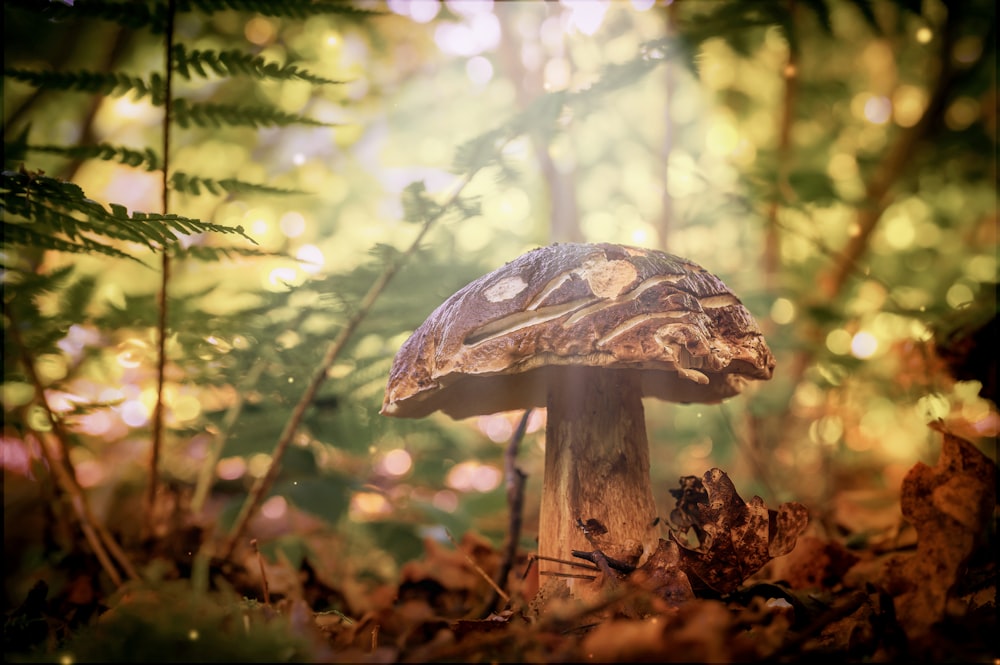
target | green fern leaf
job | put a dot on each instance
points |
(417, 207)
(147, 159)
(214, 254)
(56, 207)
(128, 13)
(75, 298)
(24, 236)
(218, 115)
(236, 63)
(188, 226)
(282, 8)
(115, 84)
(190, 184)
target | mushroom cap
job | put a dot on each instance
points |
(498, 343)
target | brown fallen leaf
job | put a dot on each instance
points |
(815, 563)
(722, 539)
(701, 631)
(950, 506)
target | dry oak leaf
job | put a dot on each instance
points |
(724, 540)
(700, 631)
(950, 506)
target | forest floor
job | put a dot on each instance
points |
(735, 581)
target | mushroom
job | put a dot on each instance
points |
(586, 331)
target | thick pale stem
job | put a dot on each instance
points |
(596, 468)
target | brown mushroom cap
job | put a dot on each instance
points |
(497, 343)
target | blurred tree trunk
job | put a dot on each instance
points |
(564, 213)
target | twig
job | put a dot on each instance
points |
(263, 573)
(604, 563)
(478, 569)
(207, 471)
(161, 323)
(574, 564)
(65, 482)
(893, 164)
(56, 453)
(772, 241)
(515, 478)
(263, 484)
(670, 131)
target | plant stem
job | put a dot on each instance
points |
(56, 454)
(782, 188)
(207, 470)
(263, 484)
(161, 324)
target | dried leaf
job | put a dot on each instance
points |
(814, 564)
(734, 538)
(662, 576)
(950, 506)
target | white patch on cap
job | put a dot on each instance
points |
(505, 289)
(608, 279)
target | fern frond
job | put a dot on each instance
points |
(33, 283)
(148, 159)
(283, 8)
(417, 207)
(128, 13)
(59, 207)
(57, 220)
(218, 115)
(191, 184)
(544, 112)
(186, 225)
(75, 298)
(115, 84)
(23, 235)
(214, 254)
(234, 63)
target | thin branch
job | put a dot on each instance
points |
(670, 132)
(782, 188)
(207, 470)
(475, 566)
(333, 351)
(515, 478)
(895, 162)
(878, 196)
(161, 324)
(56, 454)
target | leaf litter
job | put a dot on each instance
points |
(732, 581)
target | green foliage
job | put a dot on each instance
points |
(170, 619)
(147, 158)
(107, 83)
(192, 184)
(188, 114)
(235, 63)
(51, 214)
(131, 14)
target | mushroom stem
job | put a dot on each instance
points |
(596, 468)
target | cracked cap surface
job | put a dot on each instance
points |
(498, 343)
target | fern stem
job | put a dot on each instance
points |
(56, 454)
(232, 415)
(263, 484)
(161, 324)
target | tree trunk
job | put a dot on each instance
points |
(596, 468)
